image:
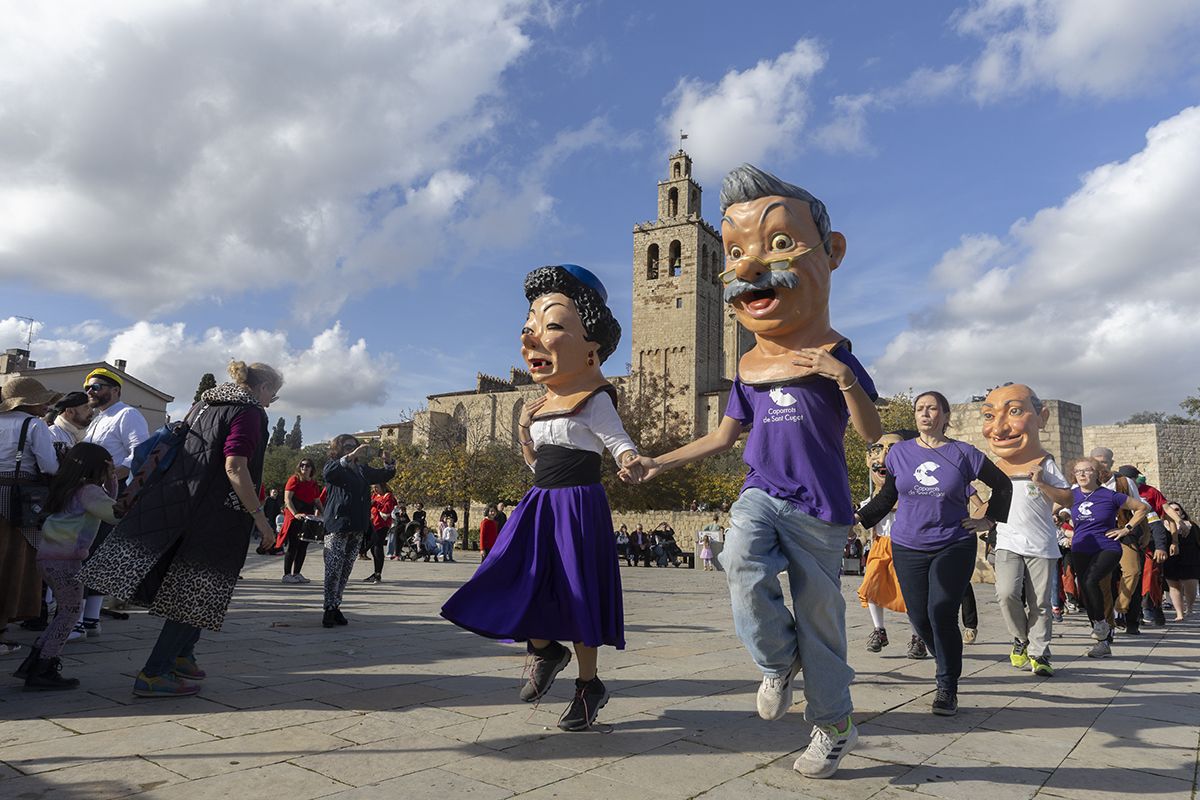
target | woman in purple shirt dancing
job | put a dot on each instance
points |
(1096, 543)
(933, 536)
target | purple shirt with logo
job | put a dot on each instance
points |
(933, 486)
(794, 449)
(1094, 514)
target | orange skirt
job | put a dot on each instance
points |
(879, 583)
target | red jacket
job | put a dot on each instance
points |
(382, 506)
(489, 531)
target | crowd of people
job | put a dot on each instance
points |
(97, 505)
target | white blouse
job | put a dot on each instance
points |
(39, 444)
(595, 427)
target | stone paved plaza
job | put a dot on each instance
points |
(401, 704)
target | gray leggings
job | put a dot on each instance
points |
(63, 578)
(341, 550)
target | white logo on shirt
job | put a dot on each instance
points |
(1085, 509)
(922, 475)
(781, 398)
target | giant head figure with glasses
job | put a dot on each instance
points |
(780, 254)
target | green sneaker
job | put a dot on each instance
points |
(1019, 657)
(188, 669)
(1040, 665)
(169, 685)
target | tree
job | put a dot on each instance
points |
(280, 463)
(207, 381)
(295, 439)
(278, 435)
(1158, 418)
(1191, 407)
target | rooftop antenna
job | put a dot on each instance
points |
(28, 331)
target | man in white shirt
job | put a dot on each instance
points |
(118, 428)
(1027, 544)
(73, 416)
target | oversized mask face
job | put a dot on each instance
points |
(554, 343)
(1011, 424)
(777, 271)
(876, 453)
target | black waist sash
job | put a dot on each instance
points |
(559, 467)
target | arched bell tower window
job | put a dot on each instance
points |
(652, 262)
(676, 258)
(673, 202)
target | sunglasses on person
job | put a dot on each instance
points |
(95, 387)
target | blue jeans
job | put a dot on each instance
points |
(447, 551)
(175, 640)
(933, 583)
(767, 536)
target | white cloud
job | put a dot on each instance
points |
(1103, 48)
(163, 153)
(1090, 301)
(751, 115)
(47, 352)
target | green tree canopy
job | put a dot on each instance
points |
(295, 439)
(207, 381)
(278, 434)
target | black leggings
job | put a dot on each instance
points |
(297, 549)
(378, 543)
(933, 583)
(970, 611)
(1091, 571)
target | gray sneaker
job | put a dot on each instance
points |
(775, 693)
(826, 750)
(1101, 630)
(547, 664)
(1100, 650)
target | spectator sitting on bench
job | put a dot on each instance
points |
(664, 546)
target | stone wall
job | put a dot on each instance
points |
(1166, 455)
(686, 524)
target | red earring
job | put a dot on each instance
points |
(591, 362)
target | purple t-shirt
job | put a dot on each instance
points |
(794, 449)
(1093, 515)
(932, 487)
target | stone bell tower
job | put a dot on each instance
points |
(680, 325)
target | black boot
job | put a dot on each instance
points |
(46, 675)
(28, 664)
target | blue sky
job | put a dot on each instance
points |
(355, 191)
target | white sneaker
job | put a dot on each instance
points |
(775, 694)
(92, 630)
(1101, 630)
(77, 633)
(826, 750)
(289, 579)
(301, 579)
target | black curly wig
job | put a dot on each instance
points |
(599, 323)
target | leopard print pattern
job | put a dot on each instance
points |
(341, 550)
(189, 593)
(63, 578)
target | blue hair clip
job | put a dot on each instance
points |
(588, 279)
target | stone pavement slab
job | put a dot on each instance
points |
(402, 704)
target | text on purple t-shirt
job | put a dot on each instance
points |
(933, 487)
(1094, 514)
(794, 449)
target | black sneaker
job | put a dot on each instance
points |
(339, 617)
(877, 640)
(375, 578)
(547, 663)
(329, 620)
(945, 703)
(28, 664)
(46, 675)
(916, 648)
(590, 697)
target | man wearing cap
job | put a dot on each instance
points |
(72, 416)
(119, 428)
(1152, 583)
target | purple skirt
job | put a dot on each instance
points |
(553, 574)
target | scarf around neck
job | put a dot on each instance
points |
(77, 432)
(229, 394)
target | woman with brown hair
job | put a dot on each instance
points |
(183, 541)
(23, 401)
(301, 499)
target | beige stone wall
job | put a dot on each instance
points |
(1166, 455)
(685, 523)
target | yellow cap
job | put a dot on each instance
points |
(106, 374)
